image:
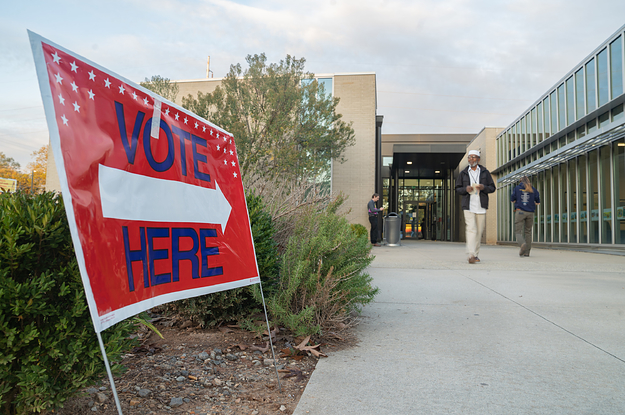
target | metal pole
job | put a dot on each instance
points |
(275, 363)
(110, 375)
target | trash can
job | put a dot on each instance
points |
(392, 225)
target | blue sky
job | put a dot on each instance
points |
(442, 65)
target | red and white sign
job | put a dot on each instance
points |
(153, 193)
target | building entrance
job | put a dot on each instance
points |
(419, 220)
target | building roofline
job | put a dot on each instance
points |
(318, 75)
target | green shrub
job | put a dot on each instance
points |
(322, 278)
(359, 230)
(48, 346)
(239, 303)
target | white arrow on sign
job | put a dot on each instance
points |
(132, 196)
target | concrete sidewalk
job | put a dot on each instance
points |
(511, 335)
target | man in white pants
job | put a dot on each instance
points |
(474, 184)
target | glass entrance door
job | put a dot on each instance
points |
(410, 219)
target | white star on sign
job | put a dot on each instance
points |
(231, 153)
(76, 106)
(218, 147)
(107, 83)
(74, 67)
(61, 99)
(145, 101)
(58, 78)
(211, 132)
(196, 125)
(64, 119)
(167, 111)
(217, 135)
(134, 95)
(56, 57)
(203, 128)
(233, 164)
(121, 89)
(225, 138)
(74, 87)
(177, 116)
(234, 174)
(224, 150)
(91, 76)
(91, 95)
(226, 162)
(185, 120)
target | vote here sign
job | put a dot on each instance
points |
(153, 193)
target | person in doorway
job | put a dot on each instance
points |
(373, 218)
(525, 198)
(474, 184)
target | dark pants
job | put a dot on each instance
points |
(523, 223)
(373, 220)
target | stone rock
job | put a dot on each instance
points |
(135, 401)
(101, 397)
(217, 351)
(144, 393)
(94, 409)
(217, 382)
(91, 391)
(175, 402)
(232, 357)
(203, 356)
(268, 362)
(102, 388)
(282, 408)
(180, 379)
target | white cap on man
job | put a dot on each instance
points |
(474, 153)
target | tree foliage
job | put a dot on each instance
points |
(162, 86)
(283, 120)
(35, 175)
(48, 347)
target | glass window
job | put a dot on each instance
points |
(563, 195)
(539, 122)
(592, 125)
(570, 137)
(605, 215)
(604, 119)
(523, 136)
(583, 208)
(591, 90)
(540, 209)
(547, 123)
(554, 113)
(519, 138)
(619, 190)
(547, 201)
(581, 131)
(561, 107)
(572, 219)
(570, 100)
(617, 112)
(579, 93)
(602, 76)
(616, 67)
(532, 128)
(593, 189)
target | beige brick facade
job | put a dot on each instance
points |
(356, 176)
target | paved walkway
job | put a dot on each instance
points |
(511, 335)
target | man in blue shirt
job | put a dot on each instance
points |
(525, 198)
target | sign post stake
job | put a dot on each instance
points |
(275, 363)
(110, 375)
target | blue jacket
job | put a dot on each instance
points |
(525, 201)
